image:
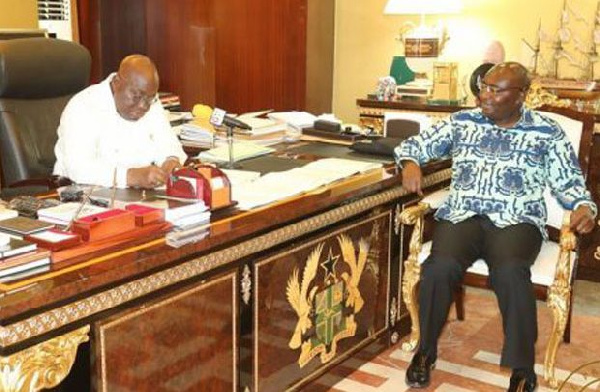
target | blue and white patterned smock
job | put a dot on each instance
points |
(501, 172)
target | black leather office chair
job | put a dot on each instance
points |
(38, 76)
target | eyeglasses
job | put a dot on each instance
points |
(137, 98)
(495, 90)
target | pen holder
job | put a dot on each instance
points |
(203, 182)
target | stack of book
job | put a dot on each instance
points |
(182, 213)
(295, 121)
(19, 258)
(197, 133)
(263, 131)
(169, 101)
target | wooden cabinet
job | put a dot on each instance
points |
(371, 112)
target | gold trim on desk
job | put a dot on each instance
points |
(53, 319)
(41, 366)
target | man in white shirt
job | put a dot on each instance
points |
(116, 133)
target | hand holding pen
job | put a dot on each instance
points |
(151, 176)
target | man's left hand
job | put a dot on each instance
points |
(170, 164)
(582, 220)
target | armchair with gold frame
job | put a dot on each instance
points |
(553, 272)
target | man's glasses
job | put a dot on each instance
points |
(136, 98)
(495, 90)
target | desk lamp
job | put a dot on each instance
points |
(422, 40)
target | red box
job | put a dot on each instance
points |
(145, 215)
(104, 224)
(55, 239)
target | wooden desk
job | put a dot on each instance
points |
(267, 301)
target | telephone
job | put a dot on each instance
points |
(351, 128)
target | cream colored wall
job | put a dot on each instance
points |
(365, 39)
(18, 14)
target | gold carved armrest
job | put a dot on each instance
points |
(415, 216)
(559, 297)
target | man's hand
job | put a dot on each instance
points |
(412, 177)
(582, 220)
(146, 177)
(169, 165)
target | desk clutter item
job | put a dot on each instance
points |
(104, 224)
(64, 213)
(22, 225)
(54, 239)
(20, 263)
(241, 150)
(145, 215)
(202, 182)
(16, 246)
(29, 205)
(339, 135)
(382, 146)
(6, 213)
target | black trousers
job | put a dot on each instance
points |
(509, 253)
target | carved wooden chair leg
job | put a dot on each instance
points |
(410, 281)
(459, 302)
(567, 334)
(412, 271)
(558, 302)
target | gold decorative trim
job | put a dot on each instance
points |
(397, 219)
(412, 271)
(329, 301)
(538, 96)
(41, 366)
(59, 317)
(559, 295)
(103, 327)
(393, 310)
(246, 283)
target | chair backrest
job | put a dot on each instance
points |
(38, 76)
(579, 128)
(403, 124)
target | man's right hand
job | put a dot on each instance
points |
(412, 177)
(146, 177)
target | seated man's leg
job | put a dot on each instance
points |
(510, 252)
(455, 247)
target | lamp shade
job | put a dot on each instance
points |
(420, 7)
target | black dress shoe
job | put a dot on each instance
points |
(522, 381)
(418, 374)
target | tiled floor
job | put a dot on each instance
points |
(469, 352)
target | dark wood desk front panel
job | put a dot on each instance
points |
(185, 341)
(318, 301)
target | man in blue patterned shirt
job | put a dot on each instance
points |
(503, 157)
